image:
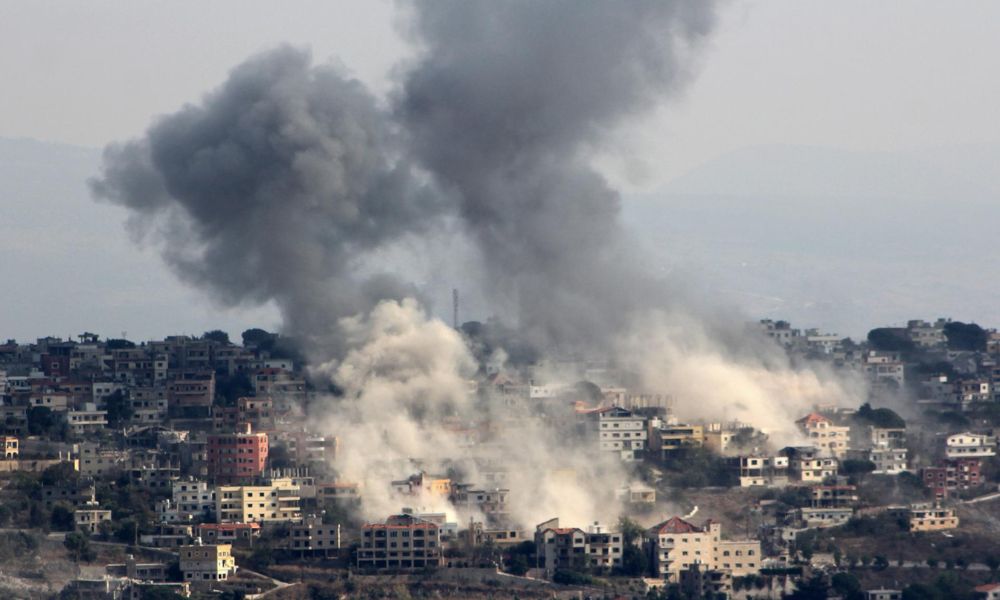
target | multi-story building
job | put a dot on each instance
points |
(825, 516)
(697, 581)
(676, 544)
(604, 548)
(90, 516)
(929, 517)
(621, 431)
(190, 393)
(11, 450)
(808, 465)
(87, 419)
(767, 471)
(423, 484)
(402, 542)
(207, 562)
(668, 438)
(96, 461)
(227, 533)
(237, 457)
(312, 536)
(951, 475)
(833, 496)
(888, 460)
(574, 548)
(824, 434)
(970, 445)
(190, 500)
(491, 503)
(277, 502)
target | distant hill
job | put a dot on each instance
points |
(838, 239)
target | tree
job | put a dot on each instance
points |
(216, 335)
(40, 420)
(256, 336)
(965, 336)
(631, 531)
(847, 585)
(857, 466)
(634, 561)
(814, 588)
(119, 408)
(61, 518)
(60, 472)
(78, 545)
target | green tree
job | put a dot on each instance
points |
(119, 409)
(847, 585)
(41, 420)
(79, 548)
(216, 335)
(61, 472)
(61, 518)
(631, 531)
(891, 339)
(634, 561)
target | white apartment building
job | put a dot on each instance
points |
(191, 500)
(677, 544)
(87, 418)
(970, 445)
(888, 461)
(622, 431)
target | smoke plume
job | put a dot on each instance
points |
(286, 182)
(275, 188)
(503, 107)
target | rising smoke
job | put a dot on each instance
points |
(284, 183)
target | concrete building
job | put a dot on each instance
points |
(676, 544)
(11, 450)
(402, 542)
(824, 434)
(90, 516)
(237, 534)
(669, 438)
(888, 460)
(87, 419)
(765, 471)
(277, 502)
(951, 475)
(697, 581)
(927, 517)
(206, 562)
(237, 457)
(312, 536)
(621, 431)
(970, 445)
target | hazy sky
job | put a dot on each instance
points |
(853, 73)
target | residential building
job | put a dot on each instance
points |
(883, 594)
(697, 581)
(237, 457)
(824, 434)
(928, 517)
(402, 542)
(236, 534)
(676, 544)
(888, 460)
(491, 503)
(766, 471)
(825, 517)
(970, 445)
(621, 431)
(668, 438)
(951, 475)
(833, 496)
(312, 536)
(87, 419)
(989, 591)
(190, 500)
(10, 447)
(421, 483)
(277, 502)
(206, 562)
(90, 516)
(808, 465)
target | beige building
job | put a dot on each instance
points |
(10, 447)
(402, 542)
(278, 502)
(824, 434)
(207, 562)
(676, 545)
(314, 536)
(931, 517)
(90, 517)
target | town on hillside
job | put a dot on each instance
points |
(203, 467)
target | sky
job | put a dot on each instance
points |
(851, 75)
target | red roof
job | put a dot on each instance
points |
(987, 587)
(677, 525)
(812, 418)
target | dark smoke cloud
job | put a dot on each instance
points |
(282, 183)
(275, 187)
(503, 107)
